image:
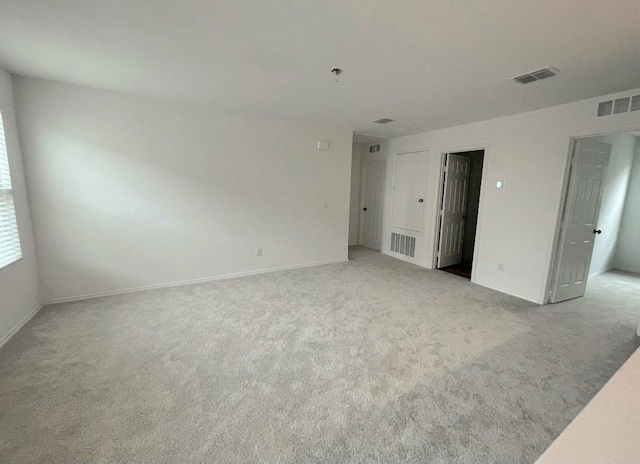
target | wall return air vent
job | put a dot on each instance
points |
(536, 75)
(619, 106)
(403, 244)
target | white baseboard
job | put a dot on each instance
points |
(527, 298)
(625, 269)
(473, 281)
(21, 324)
(401, 257)
(602, 271)
(192, 281)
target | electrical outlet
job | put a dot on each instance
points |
(258, 251)
(501, 266)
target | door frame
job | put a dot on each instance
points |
(555, 247)
(440, 194)
(363, 194)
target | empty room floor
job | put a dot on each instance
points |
(374, 360)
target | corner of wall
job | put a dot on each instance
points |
(19, 282)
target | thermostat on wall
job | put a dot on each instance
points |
(323, 145)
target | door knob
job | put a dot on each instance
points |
(364, 209)
(420, 200)
(597, 231)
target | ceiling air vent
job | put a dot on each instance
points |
(619, 106)
(536, 75)
(605, 108)
(383, 121)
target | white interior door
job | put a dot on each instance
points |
(579, 224)
(454, 205)
(373, 207)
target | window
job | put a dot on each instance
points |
(9, 241)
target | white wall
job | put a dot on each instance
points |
(354, 201)
(129, 192)
(614, 192)
(19, 286)
(518, 223)
(627, 256)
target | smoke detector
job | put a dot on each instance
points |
(382, 121)
(536, 75)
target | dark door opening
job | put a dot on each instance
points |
(459, 211)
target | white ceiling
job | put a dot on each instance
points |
(425, 63)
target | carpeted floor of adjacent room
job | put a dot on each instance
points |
(374, 360)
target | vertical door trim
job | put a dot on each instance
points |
(441, 187)
(553, 271)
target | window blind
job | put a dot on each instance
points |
(9, 240)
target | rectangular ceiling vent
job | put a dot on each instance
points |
(619, 106)
(536, 75)
(374, 148)
(383, 121)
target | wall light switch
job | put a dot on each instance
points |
(325, 205)
(258, 251)
(499, 184)
(323, 145)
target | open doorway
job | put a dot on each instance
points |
(366, 205)
(459, 207)
(600, 222)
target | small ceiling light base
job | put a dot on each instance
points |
(337, 72)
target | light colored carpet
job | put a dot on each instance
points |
(374, 360)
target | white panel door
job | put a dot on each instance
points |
(375, 172)
(454, 208)
(579, 225)
(409, 188)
